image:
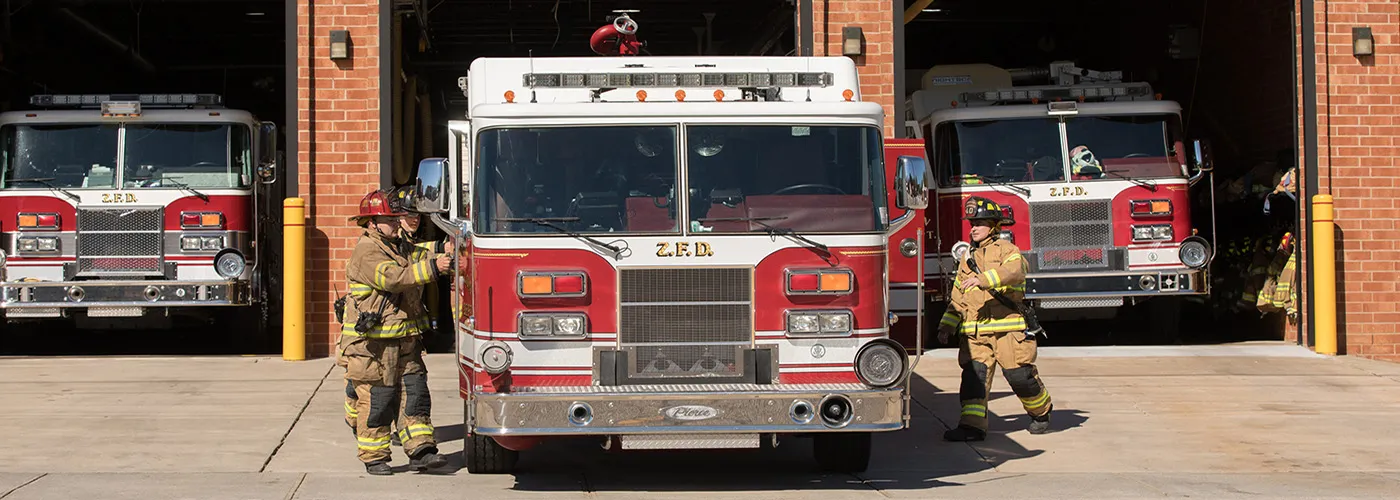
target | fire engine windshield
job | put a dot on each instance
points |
(990, 151)
(196, 155)
(65, 156)
(584, 179)
(1116, 147)
(754, 178)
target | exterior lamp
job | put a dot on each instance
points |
(340, 45)
(851, 41)
(1361, 42)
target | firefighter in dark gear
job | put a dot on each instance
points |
(989, 332)
(380, 340)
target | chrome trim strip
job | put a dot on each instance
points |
(124, 293)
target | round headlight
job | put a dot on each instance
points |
(2, 258)
(1195, 253)
(495, 358)
(230, 264)
(881, 363)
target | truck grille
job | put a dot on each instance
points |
(1072, 235)
(685, 323)
(120, 241)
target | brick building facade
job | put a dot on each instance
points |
(1358, 163)
(338, 148)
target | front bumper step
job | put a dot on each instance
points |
(49, 295)
(725, 409)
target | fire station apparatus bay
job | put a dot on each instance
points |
(1264, 420)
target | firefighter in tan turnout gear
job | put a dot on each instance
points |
(380, 342)
(990, 331)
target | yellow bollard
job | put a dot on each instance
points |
(1324, 276)
(294, 279)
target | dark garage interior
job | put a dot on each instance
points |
(1229, 64)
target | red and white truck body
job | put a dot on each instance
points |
(603, 304)
(131, 206)
(1094, 175)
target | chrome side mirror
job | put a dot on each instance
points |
(911, 181)
(429, 195)
(267, 152)
(1200, 157)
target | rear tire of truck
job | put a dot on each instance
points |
(842, 451)
(484, 455)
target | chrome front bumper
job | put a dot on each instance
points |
(687, 409)
(123, 294)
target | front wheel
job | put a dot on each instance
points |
(484, 455)
(842, 451)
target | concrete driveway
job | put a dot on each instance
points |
(1247, 420)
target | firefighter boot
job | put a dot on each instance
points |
(964, 433)
(379, 468)
(1041, 424)
(428, 458)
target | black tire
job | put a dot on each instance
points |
(484, 455)
(842, 451)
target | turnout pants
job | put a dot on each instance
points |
(387, 389)
(979, 354)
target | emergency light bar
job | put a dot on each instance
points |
(106, 100)
(1069, 93)
(620, 80)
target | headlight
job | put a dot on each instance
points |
(1195, 253)
(881, 363)
(544, 325)
(212, 242)
(823, 323)
(38, 244)
(189, 243)
(230, 264)
(3, 257)
(1158, 232)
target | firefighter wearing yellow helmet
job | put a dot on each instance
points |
(985, 309)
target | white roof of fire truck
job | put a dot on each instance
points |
(96, 108)
(980, 91)
(559, 87)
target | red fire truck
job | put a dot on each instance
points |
(125, 210)
(1095, 177)
(674, 253)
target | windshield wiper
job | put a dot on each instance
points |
(821, 249)
(1152, 186)
(45, 182)
(549, 222)
(177, 184)
(995, 180)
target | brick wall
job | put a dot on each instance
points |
(1358, 100)
(876, 66)
(338, 146)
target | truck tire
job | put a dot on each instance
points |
(842, 451)
(484, 455)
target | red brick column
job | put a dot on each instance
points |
(876, 66)
(337, 147)
(1358, 124)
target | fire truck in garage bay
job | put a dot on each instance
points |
(1094, 176)
(675, 253)
(124, 210)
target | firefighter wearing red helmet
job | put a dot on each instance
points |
(380, 339)
(985, 309)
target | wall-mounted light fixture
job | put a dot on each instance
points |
(1361, 42)
(851, 41)
(340, 45)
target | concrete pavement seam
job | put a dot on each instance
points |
(26, 483)
(292, 494)
(295, 421)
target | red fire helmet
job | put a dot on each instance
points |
(376, 204)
